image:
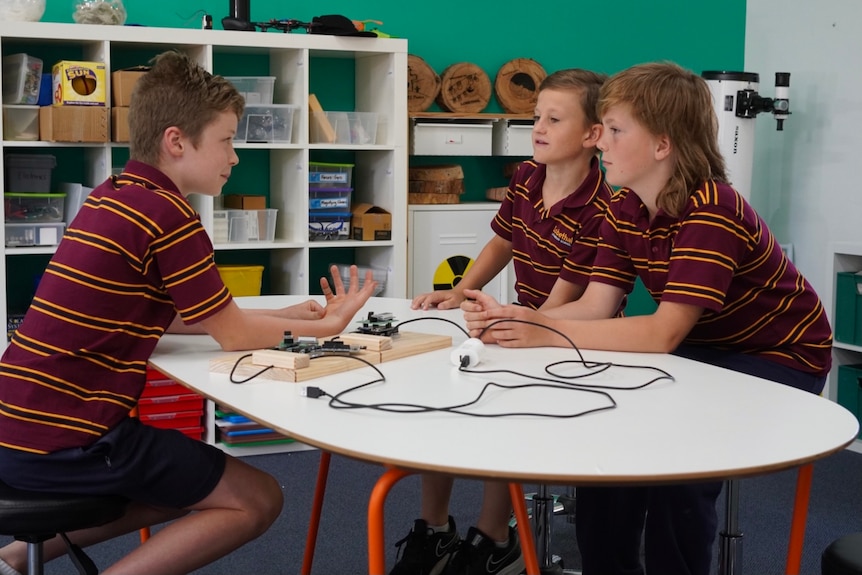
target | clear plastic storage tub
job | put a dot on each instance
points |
(329, 226)
(329, 199)
(240, 226)
(267, 124)
(257, 90)
(22, 79)
(358, 128)
(326, 175)
(34, 207)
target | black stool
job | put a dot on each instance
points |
(843, 556)
(36, 517)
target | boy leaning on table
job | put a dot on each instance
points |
(136, 262)
(726, 295)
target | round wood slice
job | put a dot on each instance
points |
(433, 198)
(464, 87)
(436, 186)
(423, 84)
(517, 85)
(436, 173)
(496, 194)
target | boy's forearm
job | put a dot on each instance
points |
(490, 261)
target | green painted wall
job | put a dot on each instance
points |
(603, 36)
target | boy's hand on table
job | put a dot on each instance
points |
(485, 311)
(442, 299)
(309, 309)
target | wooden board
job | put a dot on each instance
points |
(423, 84)
(433, 198)
(496, 194)
(406, 344)
(464, 87)
(510, 168)
(436, 173)
(435, 186)
(318, 116)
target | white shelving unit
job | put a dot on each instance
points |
(379, 73)
(845, 257)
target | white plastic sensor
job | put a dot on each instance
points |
(473, 349)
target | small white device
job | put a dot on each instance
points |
(473, 349)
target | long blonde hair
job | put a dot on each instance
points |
(670, 100)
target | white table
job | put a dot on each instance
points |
(708, 424)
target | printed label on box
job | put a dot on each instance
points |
(327, 177)
(323, 203)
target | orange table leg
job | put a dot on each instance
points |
(316, 509)
(800, 516)
(525, 531)
(144, 532)
(376, 539)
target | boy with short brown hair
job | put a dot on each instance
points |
(135, 263)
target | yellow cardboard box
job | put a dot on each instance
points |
(79, 83)
(73, 123)
(122, 84)
(371, 223)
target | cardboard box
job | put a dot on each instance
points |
(120, 124)
(79, 83)
(371, 223)
(244, 202)
(122, 84)
(73, 124)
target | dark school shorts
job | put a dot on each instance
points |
(755, 366)
(160, 467)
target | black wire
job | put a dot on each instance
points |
(395, 407)
(249, 378)
(406, 321)
(337, 401)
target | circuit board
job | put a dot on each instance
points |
(378, 324)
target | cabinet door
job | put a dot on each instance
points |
(439, 236)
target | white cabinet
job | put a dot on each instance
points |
(444, 239)
(373, 69)
(844, 257)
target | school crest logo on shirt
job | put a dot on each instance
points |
(562, 236)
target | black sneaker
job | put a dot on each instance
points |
(426, 552)
(479, 555)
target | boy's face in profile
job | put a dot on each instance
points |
(559, 126)
(205, 168)
(629, 150)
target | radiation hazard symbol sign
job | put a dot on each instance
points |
(451, 271)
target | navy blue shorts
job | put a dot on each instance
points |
(160, 467)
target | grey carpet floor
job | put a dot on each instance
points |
(765, 511)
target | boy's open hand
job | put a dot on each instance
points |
(342, 304)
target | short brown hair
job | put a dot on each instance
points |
(588, 83)
(176, 92)
(670, 100)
